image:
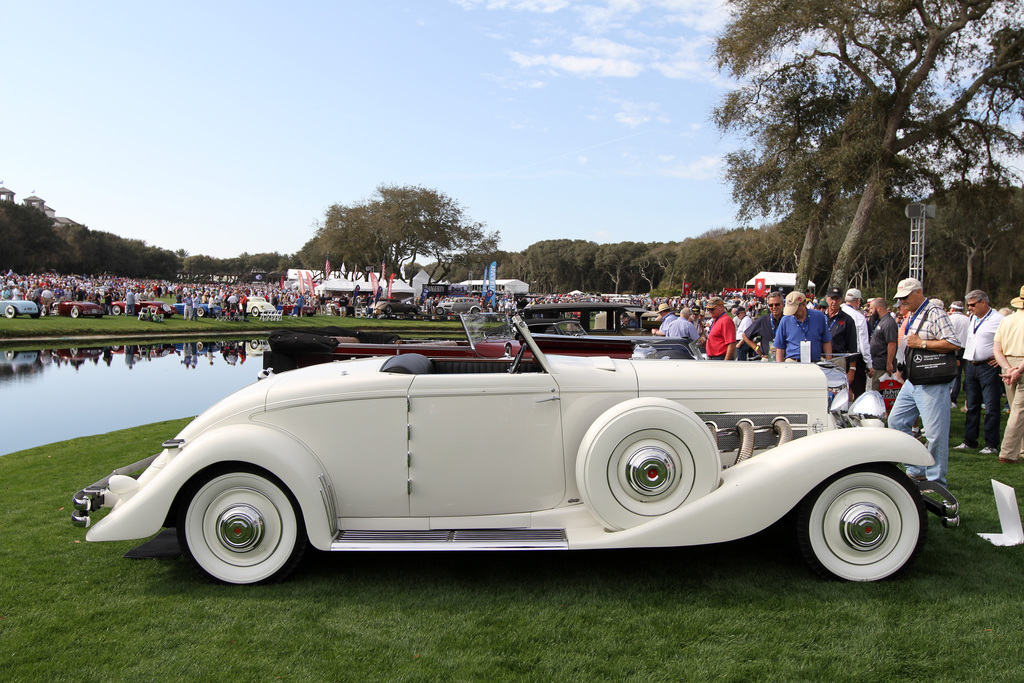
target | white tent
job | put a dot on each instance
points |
(336, 285)
(776, 280)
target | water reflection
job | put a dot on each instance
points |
(62, 393)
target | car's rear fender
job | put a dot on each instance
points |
(760, 491)
(145, 512)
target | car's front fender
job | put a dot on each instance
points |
(143, 513)
(760, 491)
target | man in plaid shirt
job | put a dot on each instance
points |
(926, 326)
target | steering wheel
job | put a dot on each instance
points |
(518, 360)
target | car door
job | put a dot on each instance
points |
(484, 444)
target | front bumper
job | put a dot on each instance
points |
(98, 495)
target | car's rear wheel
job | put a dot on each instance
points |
(75, 311)
(11, 311)
(241, 527)
(863, 524)
(116, 310)
(475, 309)
(439, 311)
(201, 312)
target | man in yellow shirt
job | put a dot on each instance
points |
(1008, 349)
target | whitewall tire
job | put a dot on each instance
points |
(241, 527)
(644, 458)
(863, 524)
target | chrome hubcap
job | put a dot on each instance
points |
(650, 471)
(863, 526)
(240, 528)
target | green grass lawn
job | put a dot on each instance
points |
(748, 610)
(124, 326)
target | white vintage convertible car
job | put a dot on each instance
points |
(551, 452)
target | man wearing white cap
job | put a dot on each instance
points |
(927, 327)
(852, 308)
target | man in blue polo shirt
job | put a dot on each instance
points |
(801, 324)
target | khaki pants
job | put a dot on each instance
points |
(1013, 436)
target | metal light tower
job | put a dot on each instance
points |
(917, 213)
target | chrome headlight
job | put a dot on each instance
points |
(868, 410)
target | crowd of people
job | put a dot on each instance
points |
(983, 347)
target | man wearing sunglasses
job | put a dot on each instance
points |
(927, 326)
(763, 329)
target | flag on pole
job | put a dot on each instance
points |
(327, 268)
(391, 282)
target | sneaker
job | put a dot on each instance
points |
(961, 447)
(952, 404)
(988, 451)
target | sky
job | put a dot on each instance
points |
(229, 127)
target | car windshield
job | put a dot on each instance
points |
(486, 326)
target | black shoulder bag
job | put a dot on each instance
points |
(930, 367)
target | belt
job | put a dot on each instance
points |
(981, 362)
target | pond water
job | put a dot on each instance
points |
(61, 393)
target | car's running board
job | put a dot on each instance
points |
(456, 539)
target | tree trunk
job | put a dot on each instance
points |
(806, 264)
(847, 253)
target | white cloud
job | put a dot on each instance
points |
(604, 47)
(581, 66)
(705, 168)
(635, 114)
(543, 6)
(582, 160)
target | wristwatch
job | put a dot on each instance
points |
(924, 344)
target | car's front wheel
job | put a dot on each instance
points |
(11, 311)
(241, 527)
(75, 311)
(201, 312)
(863, 524)
(116, 310)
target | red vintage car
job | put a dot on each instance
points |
(119, 307)
(76, 309)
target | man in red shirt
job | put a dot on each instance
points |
(722, 335)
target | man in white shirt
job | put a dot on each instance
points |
(982, 380)
(863, 371)
(960, 323)
(743, 322)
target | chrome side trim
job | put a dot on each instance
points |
(452, 539)
(330, 503)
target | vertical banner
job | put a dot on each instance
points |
(492, 271)
(373, 285)
(391, 282)
(686, 289)
(759, 287)
(327, 268)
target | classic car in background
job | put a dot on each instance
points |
(595, 317)
(289, 309)
(12, 308)
(457, 304)
(165, 309)
(553, 453)
(202, 310)
(394, 306)
(254, 305)
(77, 309)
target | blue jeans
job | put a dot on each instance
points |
(930, 402)
(983, 385)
